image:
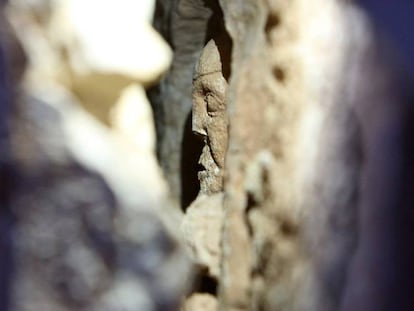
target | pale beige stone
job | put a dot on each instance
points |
(201, 228)
(132, 117)
(210, 119)
(289, 227)
(71, 44)
(115, 47)
(201, 302)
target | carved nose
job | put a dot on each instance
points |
(198, 128)
(200, 131)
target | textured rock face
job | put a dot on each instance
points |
(297, 192)
(210, 117)
(203, 219)
(201, 229)
(284, 214)
(297, 185)
(292, 111)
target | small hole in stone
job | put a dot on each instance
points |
(251, 201)
(287, 228)
(205, 283)
(273, 20)
(279, 74)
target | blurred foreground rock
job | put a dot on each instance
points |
(93, 226)
(81, 242)
(283, 128)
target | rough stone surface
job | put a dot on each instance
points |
(210, 120)
(301, 170)
(282, 129)
(201, 228)
(277, 54)
(299, 157)
(203, 219)
(201, 302)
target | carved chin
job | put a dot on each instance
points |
(210, 178)
(210, 183)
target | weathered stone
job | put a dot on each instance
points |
(301, 199)
(295, 173)
(210, 117)
(201, 228)
(201, 302)
(203, 219)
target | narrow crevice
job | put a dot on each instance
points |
(273, 21)
(204, 283)
(190, 153)
(279, 74)
(208, 285)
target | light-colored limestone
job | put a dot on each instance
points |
(201, 302)
(210, 117)
(201, 228)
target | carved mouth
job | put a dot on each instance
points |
(203, 161)
(200, 167)
(202, 176)
(206, 164)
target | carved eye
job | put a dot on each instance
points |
(214, 105)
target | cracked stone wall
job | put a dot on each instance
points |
(273, 172)
(316, 174)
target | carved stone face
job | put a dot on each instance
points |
(210, 118)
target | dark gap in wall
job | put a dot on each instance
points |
(191, 151)
(273, 21)
(208, 285)
(216, 30)
(205, 284)
(279, 74)
(8, 78)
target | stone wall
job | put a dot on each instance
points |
(257, 155)
(317, 126)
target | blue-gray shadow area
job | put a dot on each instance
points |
(390, 259)
(6, 186)
(395, 19)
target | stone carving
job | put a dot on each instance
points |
(202, 223)
(210, 117)
(314, 143)
(185, 24)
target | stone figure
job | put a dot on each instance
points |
(210, 117)
(185, 24)
(201, 226)
(202, 222)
